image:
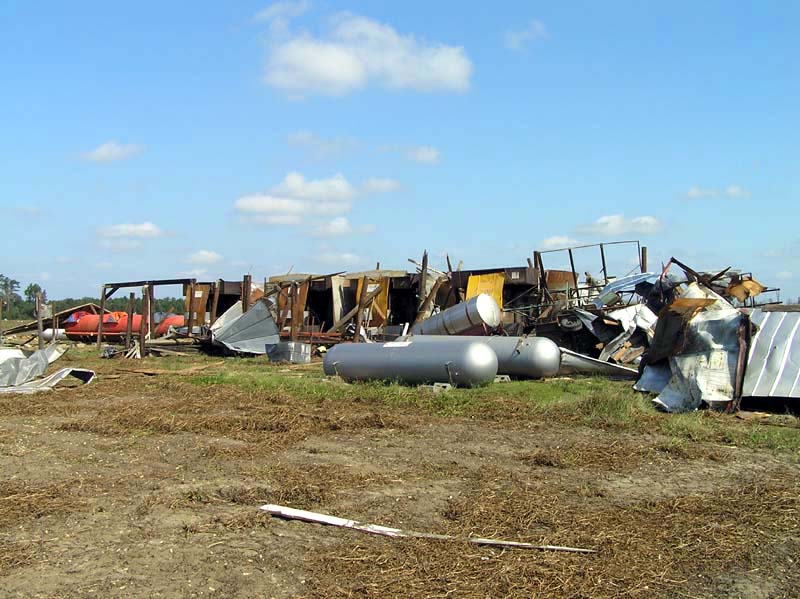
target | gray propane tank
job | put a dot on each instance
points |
(475, 312)
(520, 357)
(411, 363)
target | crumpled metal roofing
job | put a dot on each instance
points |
(773, 363)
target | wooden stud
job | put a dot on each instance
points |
(190, 292)
(151, 313)
(39, 328)
(143, 323)
(362, 301)
(215, 301)
(247, 283)
(644, 258)
(102, 316)
(427, 303)
(129, 324)
(347, 317)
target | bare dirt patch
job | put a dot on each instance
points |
(150, 487)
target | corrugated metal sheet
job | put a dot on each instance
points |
(773, 364)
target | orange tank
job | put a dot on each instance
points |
(84, 325)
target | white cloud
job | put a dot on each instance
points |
(322, 147)
(380, 185)
(516, 40)
(279, 14)
(334, 189)
(296, 199)
(424, 154)
(785, 275)
(731, 191)
(141, 230)
(44, 276)
(557, 242)
(616, 224)
(112, 151)
(734, 191)
(340, 226)
(358, 51)
(343, 258)
(204, 257)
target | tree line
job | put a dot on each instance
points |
(22, 306)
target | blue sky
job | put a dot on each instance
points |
(213, 139)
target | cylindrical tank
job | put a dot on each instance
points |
(469, 315)
(175, 320)
(82, 324)
(460, 364)
(520, 357)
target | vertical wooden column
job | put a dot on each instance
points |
(190, 323)
(53, 311)
(215, 301)
(102, 316)
(362, 298)
(294, 298)
(145, 312)
(247, 284)
(151, 312)
(644, 258)
(129, 324)
(39, 329)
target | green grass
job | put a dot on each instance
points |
(584, 401)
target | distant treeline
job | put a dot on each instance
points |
(25, 310)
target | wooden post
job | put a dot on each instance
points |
(190, 323)
(346, 318)
(215, 301)
(247, 283)
(39, 329)
(129, 324)
(453, 285)
(143, 324)
(644, 258)
(294, 298)
(102, 316)
(54, 338)
(362, 300)
(151, 312)
(423, 279)
(426, 304)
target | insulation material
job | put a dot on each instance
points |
(773, 364)
(490, 284)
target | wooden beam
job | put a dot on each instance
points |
(151, 312)
(39, 328)
(644, 258)
(426, 305)
(362, 301)
(347, 317)
(215, 301)
(129, 324)
(102, 315)
(190, 324)
(423, 278)
(247, 283)
(455, 288)
(143, 322)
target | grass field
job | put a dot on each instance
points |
(148, 486)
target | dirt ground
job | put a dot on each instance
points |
(150, 486)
